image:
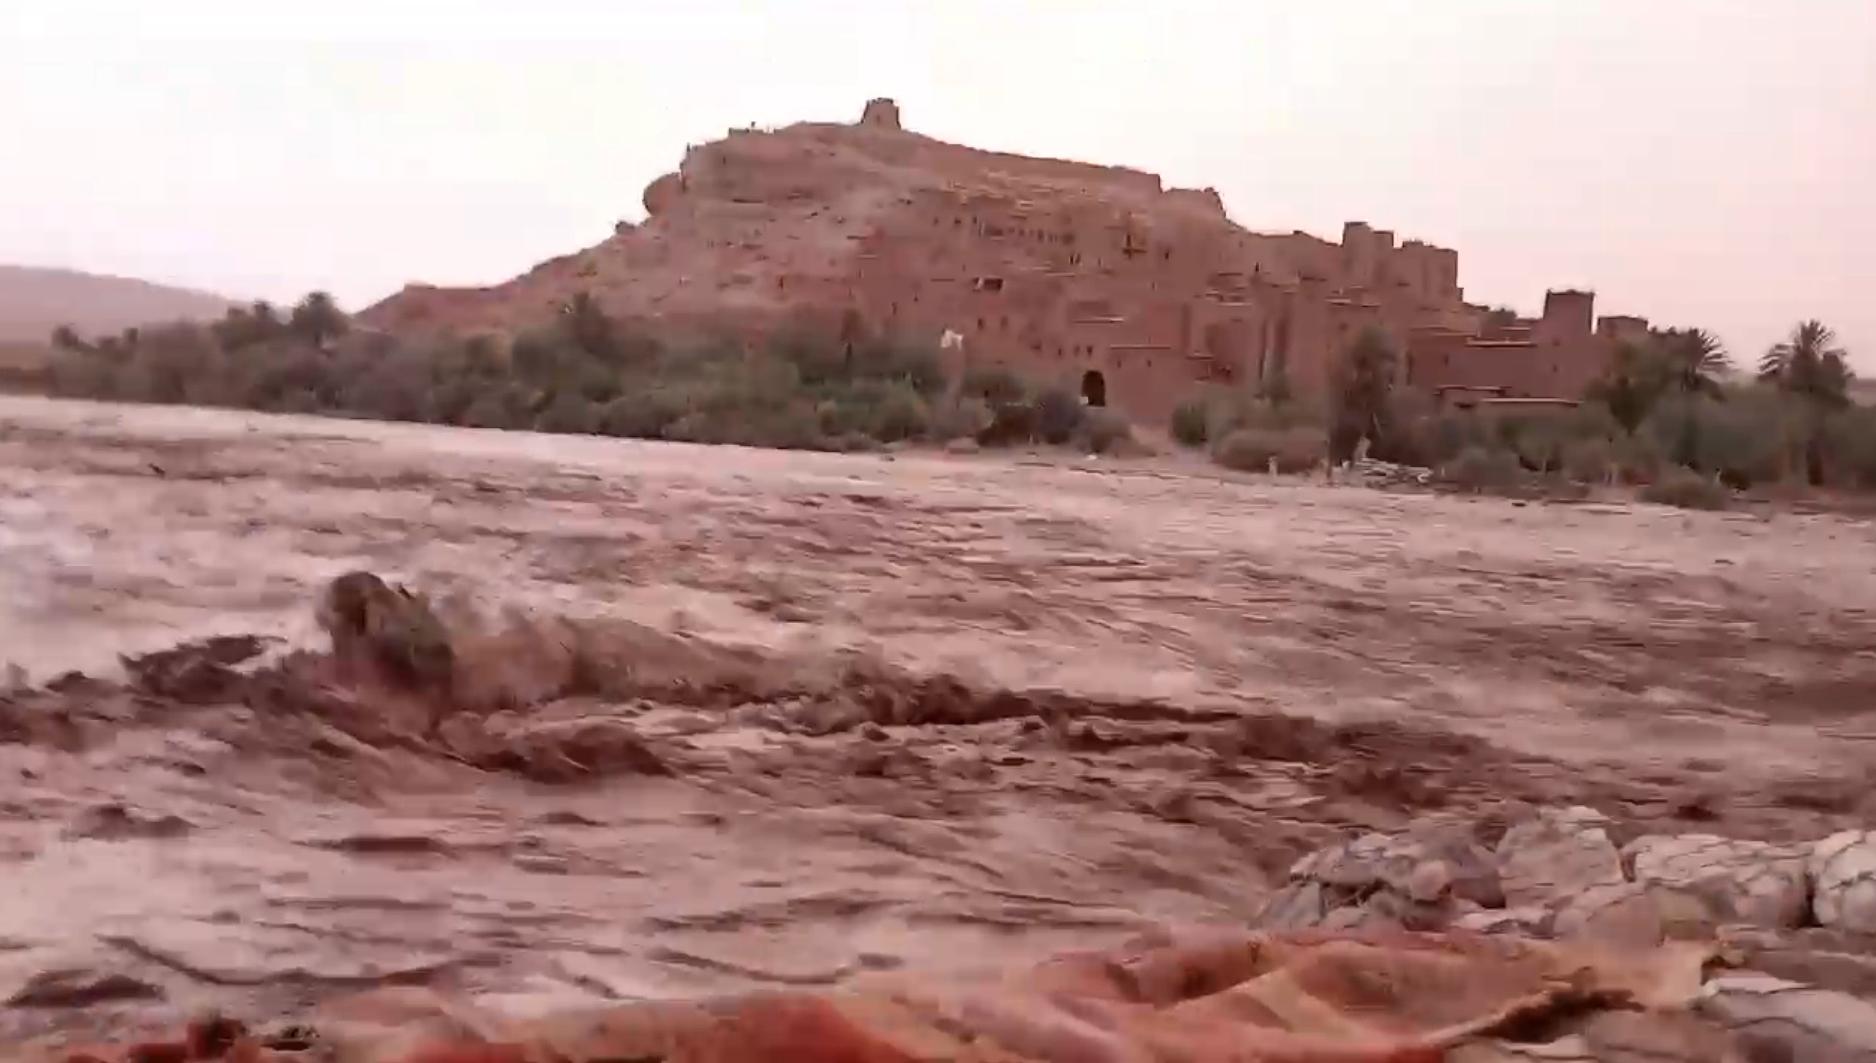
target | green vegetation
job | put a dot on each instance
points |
(1667, 404)
(1058, 415)
(1670, 362)
(1483, 469)
(1191, 423)
(1363, 386)
(1810, 365)
(1686, 489)
(583, 373)
(994, 385)
(1288, 450)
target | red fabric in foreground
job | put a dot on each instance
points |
(1235, 998)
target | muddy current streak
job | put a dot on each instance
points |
(1068, 700)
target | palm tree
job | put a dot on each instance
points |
(1696, 360)
(1363, 382)
(1633, 383)
(317, 318)
(66, 338)
(266, 319)
(1809, 364)
(588, 326)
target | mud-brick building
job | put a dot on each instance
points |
(1096, 276)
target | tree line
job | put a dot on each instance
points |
(1669, 403)
(582, 372)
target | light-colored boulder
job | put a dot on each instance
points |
(1819, 956)
(1428, 860)
(1623, 914)
(1708, 880)
(1527, 921)
(1294, 907)
(1420, 878)
(1557, 856)
(1843, 880)
(1790, 1020)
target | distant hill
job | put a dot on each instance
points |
(34, 301)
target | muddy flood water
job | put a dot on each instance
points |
(1179, 680)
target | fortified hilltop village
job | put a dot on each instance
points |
(895, 602)
(1096, 276)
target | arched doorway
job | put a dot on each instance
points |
(1094, 388)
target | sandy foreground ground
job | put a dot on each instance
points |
(1432, 654)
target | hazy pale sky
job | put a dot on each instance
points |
(1701, 163)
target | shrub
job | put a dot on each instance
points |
(1483, 469)
(1851, 437)
(818, 359)
(1191, 422)
(82, 374)
(642, 415)
(994, 385)
(1687, 489)
(690, 428)
(1011, 424)
(846, 413)
(498, 408)
(1104, 431)
(166, 360)
(1538, 441)
(1754, 436)
(911, 364)
(1407, 434)
(1637, 459)
(1751, 439)
(851, 442)
(1590, 460)
(1233, 410)
(960, 418)
(1362, 389)
(571, 413)
(789, 427)
(898, 413)
(393, 385)
(1254, 449)
(1058, 414)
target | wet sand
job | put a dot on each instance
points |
(1673, 668)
